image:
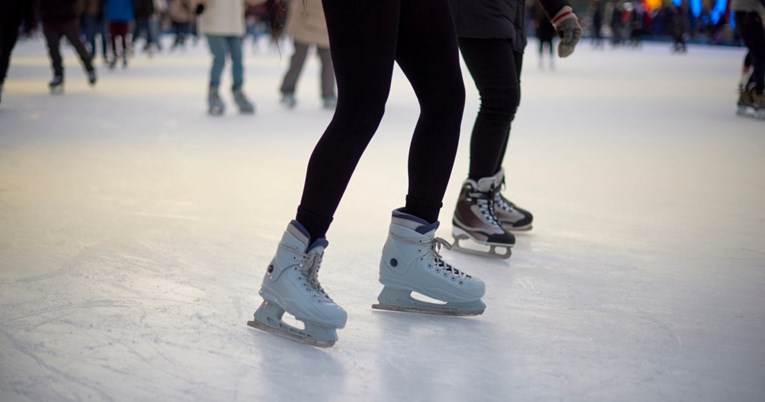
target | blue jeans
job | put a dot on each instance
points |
(95, 26)
(221, 47)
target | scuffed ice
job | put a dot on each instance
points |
(134, 230)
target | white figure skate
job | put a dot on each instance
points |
(291, 284)
(411, 263)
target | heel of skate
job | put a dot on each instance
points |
(461, 235)
(56, 86)
(268, 318)
(394, 299)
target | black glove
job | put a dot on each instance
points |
(200, 9)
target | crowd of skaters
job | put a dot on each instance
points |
(113, 30)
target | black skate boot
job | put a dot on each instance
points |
(288, 100)
(56, 85)
(758, 102)
(330, 102)
(750, 104)
(510, 216)
(244, 104)
(215, 105)
(474, 219)
(92, 77)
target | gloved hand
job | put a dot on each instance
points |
(199, 9)
(569, 30)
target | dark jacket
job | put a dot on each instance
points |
(53, 11)
(143, 8)
(497, 19)
(15, 12)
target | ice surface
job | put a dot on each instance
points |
(134, 230)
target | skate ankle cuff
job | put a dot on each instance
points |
(414, 222)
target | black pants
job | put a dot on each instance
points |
(496, 71)
(8, 36)
(749, 24)
(70, 29)
(366, 38)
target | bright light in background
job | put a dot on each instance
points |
(653, 4)
(695, 7)
(719, 10)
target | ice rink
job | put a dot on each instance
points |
(135, 230)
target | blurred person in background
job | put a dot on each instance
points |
(307, 27)
(223, 24)
(95, 25)
(617, 25)
(119, 13)
(60, 18)
(545, 34)
(182, 14)
(14, 14)
(748, 17)
(596, 11)
(679, 29)
(492, 39)
(144, 11)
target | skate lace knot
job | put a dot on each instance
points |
(435, 248)
(309, 268)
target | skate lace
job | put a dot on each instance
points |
(501, 202)
(435, 249)
(309, 268)
(485, 206)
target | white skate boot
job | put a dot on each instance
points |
(291, 284)
(411, 263)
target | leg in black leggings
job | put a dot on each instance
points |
(363, 60)
(750, 26)
(8, 37)
(430, 59)
(496, 71)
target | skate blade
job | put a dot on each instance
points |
(747, 111)
(440, 311)
(524, 228)
(492, 252)
(290, 335)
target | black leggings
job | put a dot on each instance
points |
(8, 36)
(366, 38)
(750, 26)
(496, 71)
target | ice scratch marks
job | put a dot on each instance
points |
(46, 378)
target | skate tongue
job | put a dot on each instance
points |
(299, 232)
(322, 243)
